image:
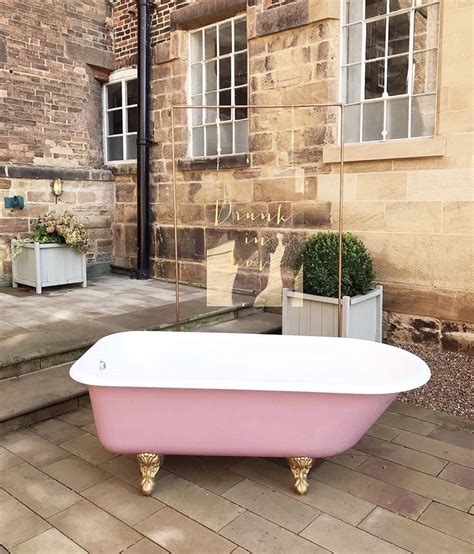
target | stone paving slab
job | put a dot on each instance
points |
(60, 491)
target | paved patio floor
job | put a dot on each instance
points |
(407, 486)
(23, 311)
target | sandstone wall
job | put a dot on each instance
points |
(88, 194)
(410, 201)
(415, 210)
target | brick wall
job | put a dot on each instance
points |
(51, 57)
(125, 27)
(49, 99)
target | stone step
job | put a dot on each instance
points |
(62, 343)
(45, 393)
(38, 396)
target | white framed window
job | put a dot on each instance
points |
(389, 68)
(219, 76)
(120, 116)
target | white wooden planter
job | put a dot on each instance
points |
(47, 265)
(306, 314)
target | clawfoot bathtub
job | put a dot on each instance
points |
(301, 398)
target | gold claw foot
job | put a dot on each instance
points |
(149, 465)
(300, 468)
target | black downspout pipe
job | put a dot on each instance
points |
(143, 142)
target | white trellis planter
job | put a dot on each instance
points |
(47, 265)
(306, 314)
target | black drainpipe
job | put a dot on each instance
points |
(143, 142)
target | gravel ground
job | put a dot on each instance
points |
(450, 388)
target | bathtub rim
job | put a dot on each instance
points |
(81, 371)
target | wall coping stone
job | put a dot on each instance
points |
(123, 168)
(44, 172)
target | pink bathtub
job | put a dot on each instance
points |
(156, 393)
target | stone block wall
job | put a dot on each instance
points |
(88, 194)
(285, 153)
(124, 226)
(415, 209)
(411, 202)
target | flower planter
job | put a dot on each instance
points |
(46, 265)
(306, 314)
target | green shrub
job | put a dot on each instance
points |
(319, 257)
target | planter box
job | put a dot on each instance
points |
(306, 314)
(47, 265)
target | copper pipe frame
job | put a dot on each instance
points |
(338, 105)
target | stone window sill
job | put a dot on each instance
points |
(390, 150)
(223, 162)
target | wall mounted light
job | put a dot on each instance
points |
(57, 188)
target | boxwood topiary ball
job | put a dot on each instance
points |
(319, 257)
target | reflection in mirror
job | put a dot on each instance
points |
(373, 121)
(423, 113)
(397, 118)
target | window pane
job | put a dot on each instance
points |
(211, 113)
(397, 118)
(198, 141)
(114, 95)
(226, 138)
(196, 78)
(131, 147)
(115, 122)
(372, 121)
(241, 69)
(211, 140)
(196, 46)
(225, 38)
(241, 100)
(375, 7)
(424, 72)
(197, 112)
(395, 5)
(225, 80)
(397, 75)
(115, 148)
(210, 43)
(132, 92)
(426, 28)
(240, 35)
(225, 99)
(211, 75)
(353, 10)
(132, 120)
(241, 136)
(352, 123)
(374, 79)
(352, 44)
(351, 84)
(375, 39)
(423, 112)
(398, 34)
